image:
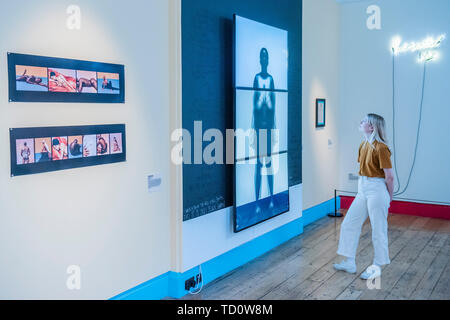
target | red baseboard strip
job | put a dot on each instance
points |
(409, 208)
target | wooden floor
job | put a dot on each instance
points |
(302, 267)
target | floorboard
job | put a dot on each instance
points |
(302, 267)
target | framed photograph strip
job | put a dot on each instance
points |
(45, 79)
(45, 149)
(320, 113)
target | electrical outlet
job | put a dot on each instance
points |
(351, 176)
(190, 283)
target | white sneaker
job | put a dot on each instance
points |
(346, 266)
(371, 272)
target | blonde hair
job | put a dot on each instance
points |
(379, 129)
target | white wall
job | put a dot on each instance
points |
(366, 86)
(321, 35)
(100, 218)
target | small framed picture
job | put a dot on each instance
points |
(320, 113)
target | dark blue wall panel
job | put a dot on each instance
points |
(207, 62)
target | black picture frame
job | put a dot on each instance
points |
(236, 88)
(50, 132)
(318, 110)
(16, 59)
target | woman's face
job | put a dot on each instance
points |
(365, 126)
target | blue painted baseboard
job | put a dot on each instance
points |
(154, 289)
(319, 211)
(171, 284)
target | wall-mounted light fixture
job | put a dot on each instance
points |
(426, 44)
(429, 55)
(424, 47)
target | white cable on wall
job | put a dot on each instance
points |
(396, 193)
(201, 287)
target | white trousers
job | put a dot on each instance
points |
(372, 200)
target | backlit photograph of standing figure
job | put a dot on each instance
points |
(261, 116)
(59, 148)
(263, 122)
(25, 151)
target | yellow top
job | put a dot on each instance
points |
(373, 161)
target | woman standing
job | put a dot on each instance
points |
(375, 189)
